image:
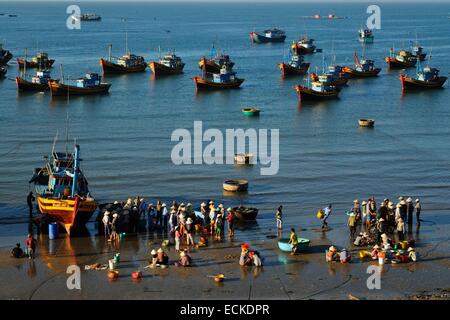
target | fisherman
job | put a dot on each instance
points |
(219, 224)
(412, 254)
(255, 258)
(332, 254)
(358, 240)
(205, 214)
(114, 224)
(17, 251)
(30, 200)
(357, 211)
(344, 256)
(159, 213)
(365, 216)
(154, 259)
(165, 216)
(189, 232)
(382, 211)
(161, 257)
(418, 209)
(372, 208)
(410, 210)
(150, 216)
(230, 220)
(184, 261)
(177, 238)
(279, 218)
(351, 223)
(142, 206)
(401, 230)
(244, 259)
(391, 212)
(172, 220)
(106, 223)
(386, 242)
(403, 209)
(327, 211)
(374, 253)
(31, 246)
(212, 217)
(293, 240)
(381, 227)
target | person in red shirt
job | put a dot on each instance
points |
(230, 219)
(31, 245)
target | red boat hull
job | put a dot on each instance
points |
(395, 64)
(202, 84)
(361, 74)
(160, 69)
(60, 89)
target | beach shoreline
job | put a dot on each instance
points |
(283, 277)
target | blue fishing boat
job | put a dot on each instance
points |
(269, 35)
(321, 89)
(426, 78)
(296, 66)
(226, 79)
(417, 51)
(39, 82)
(304, 45)
(362, 68)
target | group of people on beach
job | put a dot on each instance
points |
(30, 252)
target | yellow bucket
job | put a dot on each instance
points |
(320, 214)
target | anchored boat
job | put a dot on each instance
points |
(251, 112)
(426, 78)
(365, 35)
(362, 68)
(235, 185)
(2, 72)
(39, 82)
(5, 55)
(40, 60)
(128, 63)
(215, 63)
(167, 65)
(417, 51)
(269, 35)
(62, 190)
(87, 17)
(368, 123)
(226, 79)
(295, 66)
(303, 46)
(319, 90)
(90, 84)
(404, 59)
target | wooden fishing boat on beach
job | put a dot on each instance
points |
(90, 84)
(404, 59)
(167, 65)
(40, 60)
(5, 56)
(362, 68)
(295, 66)
(426, 78)
(319, 90)
(226, 79)
(269, 35)
(62, 190)
(128, 63)
(304, 45)
(38, 83)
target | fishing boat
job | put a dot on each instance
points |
(426, 78)
(319, 90)
(303, 46)
(128, 63)
(362, 68)
(365, 35)
(334, 75)
(3, 72)
(90, 84)
(285, 246)
(243, 158)
(226, 79)
(40, 60)
(269, 35)
(38, 82)
(417, 51)
(169, 64)
(251, 112)
(215, 63)
(87, 17)
(62, 190)
(368, 123)
(296, 66)
(5, 55)
(404, 59)
(245, 213)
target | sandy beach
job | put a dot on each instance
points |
(286, 277)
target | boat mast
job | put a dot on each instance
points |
(110, 52)
(75, 172)
(126, 36)
(54, 142)
(61, 72)
(67, 131)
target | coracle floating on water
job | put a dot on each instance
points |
(235, 185)
(366, 123)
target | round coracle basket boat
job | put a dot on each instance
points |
(285, 246)
(366, 123)
(235, 185)
(245, 213)
(250, 112)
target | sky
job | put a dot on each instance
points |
(212, 1)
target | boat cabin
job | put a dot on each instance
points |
(41, 56)
(320, 86)
(130, 60)
(365, 65)
(41, 77)
(90, 80)
(365, 33)
(405, 56)
(274, 33)
(296, 60)
(225, 75)
(428, 74)
(171, 60)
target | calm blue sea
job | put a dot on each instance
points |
(324, 156)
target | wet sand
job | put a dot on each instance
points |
(304, 276)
